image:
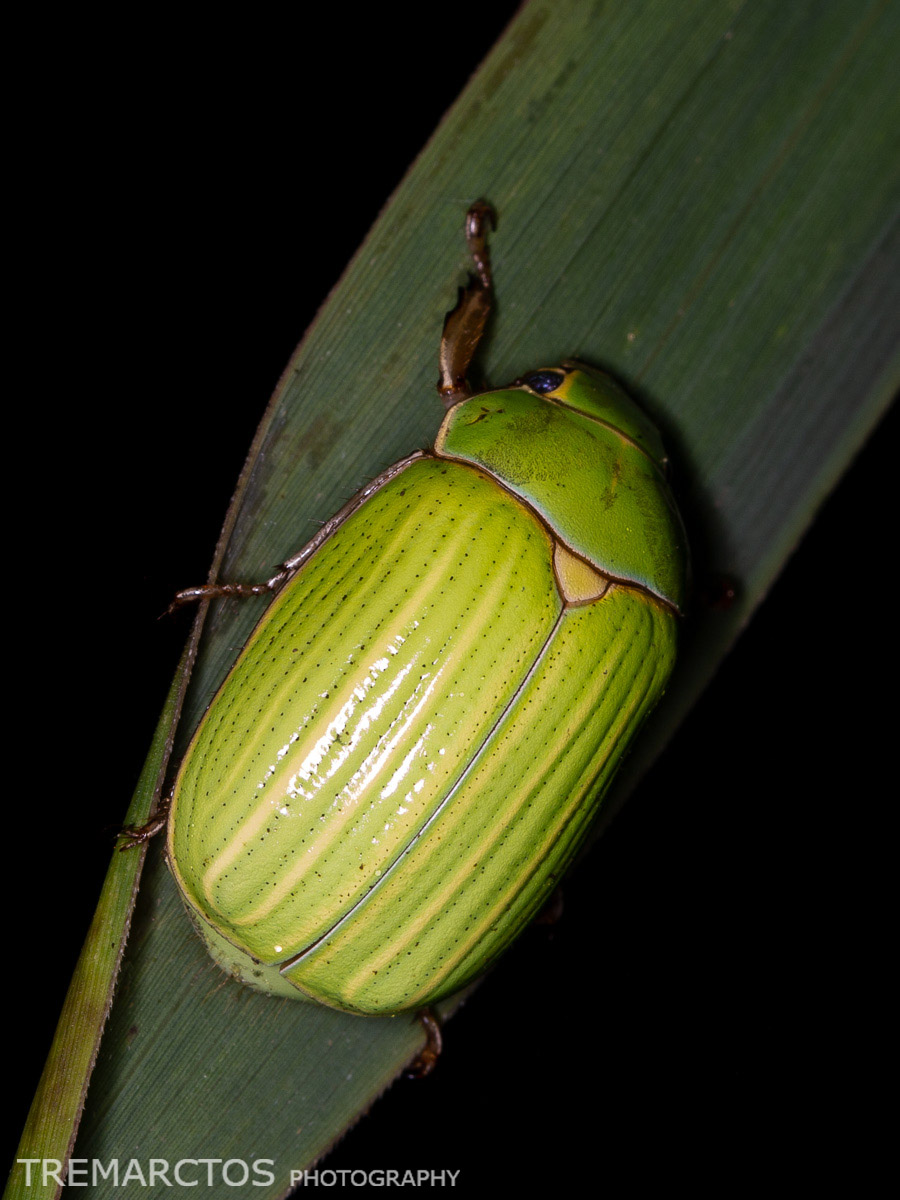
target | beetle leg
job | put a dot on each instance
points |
(136, 835)
(465, 325)
(296, 562)
(210, 591)
(425, 1061)
(552, 911)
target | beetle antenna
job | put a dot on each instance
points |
(464, 326)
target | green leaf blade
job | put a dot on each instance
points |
(702, 199)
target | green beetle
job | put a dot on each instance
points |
(409, 750)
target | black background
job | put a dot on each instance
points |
(715, 1014)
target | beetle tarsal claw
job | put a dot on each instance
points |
(426, 1060)
(479, 219)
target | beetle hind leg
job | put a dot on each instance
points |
(136, 835)
(426, 1060)
(552, 912)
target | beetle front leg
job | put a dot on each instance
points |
(426, 1060)
(464, 326)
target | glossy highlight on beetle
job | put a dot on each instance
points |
(412, 745)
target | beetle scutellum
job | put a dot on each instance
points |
(410, 748)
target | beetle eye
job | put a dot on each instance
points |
(543, 381)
